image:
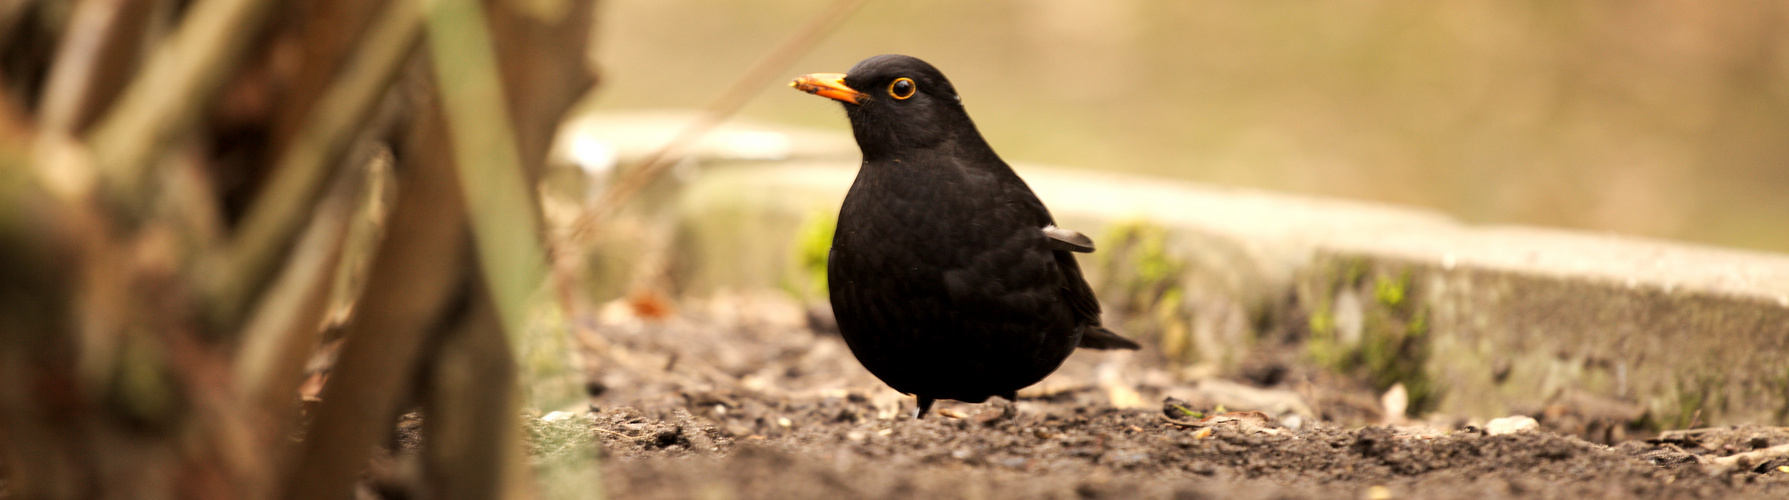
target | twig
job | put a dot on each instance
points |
(1748, 459)
(1181, 423)
(416, 271)
(279, 336)
(473, 443)
(157, 107)
(11, 12)
(91, 59)
(277, 214)
(505, 218)
(1683, 433)
(283, 331)
(617, 434)
(724, 106)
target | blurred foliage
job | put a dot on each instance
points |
(173, 240)
(1660, 118)
(813, 246)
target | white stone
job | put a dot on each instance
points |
(1510, 425)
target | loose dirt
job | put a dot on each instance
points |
(738, 397)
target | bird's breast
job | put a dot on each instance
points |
(930, 224)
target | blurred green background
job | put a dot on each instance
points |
(1666, 119)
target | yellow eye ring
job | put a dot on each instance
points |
(902, 88)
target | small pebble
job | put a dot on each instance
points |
(855, 435)
(1293, 422)
(556, 416)
(784, 421)
(1509, 425)
(1126, 459)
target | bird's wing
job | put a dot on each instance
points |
(1063, 243)
(1075, 290)
(1086, 306)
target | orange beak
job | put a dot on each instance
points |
(829, 85)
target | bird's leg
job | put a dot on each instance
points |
(925, 405)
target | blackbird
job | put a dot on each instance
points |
(948, 277)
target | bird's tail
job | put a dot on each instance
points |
(1098, 337)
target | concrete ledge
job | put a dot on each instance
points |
(1473, 320)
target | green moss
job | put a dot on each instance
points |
(565, 454)
(1328, 279)
(813, 246)
(1393, 345)
(1323, 322)
(1353, 269)
(1143, 288)
(552, 382)
(564, 439)
(1395, 351)
(1390, 291)
(1175, 335)
(1322, 347)
(1698, 392)
(1418, 326)
(1144, 245)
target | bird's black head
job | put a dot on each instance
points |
(898, 104)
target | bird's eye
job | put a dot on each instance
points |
(902, 88)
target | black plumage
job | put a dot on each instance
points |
(948, 276)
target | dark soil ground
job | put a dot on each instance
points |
(738, 398)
